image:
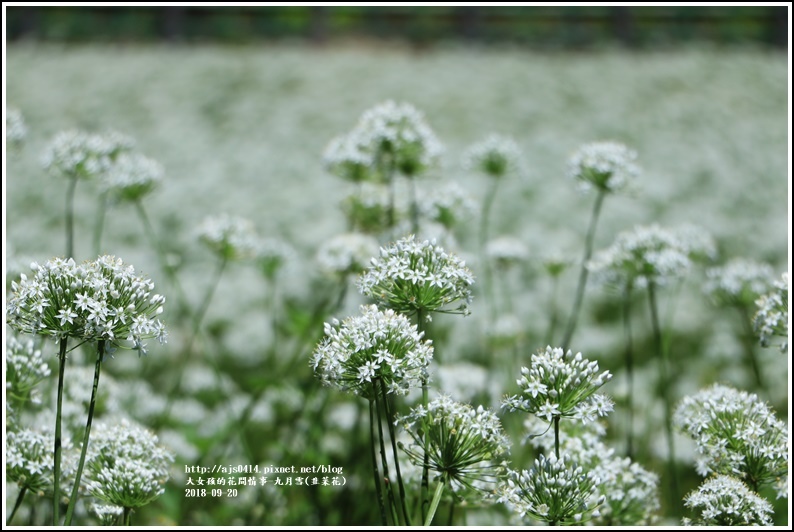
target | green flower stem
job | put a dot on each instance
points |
(749, 347)
(376, 476)
(70, 217)
(436, 498)
(99, 225)
(127, 516)
(414, 208)
(664, 370)
(425, 490)
(487, 276)
(400, 484)
(451, 513)
(56, 489)
(588, 252)
(384, 463)
(91, 406)
(18, 503)
(184, 307)
(629, 361)
(557, 436)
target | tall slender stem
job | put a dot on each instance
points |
(487, 276)
(557, 436)
(629, 361)
(70, 217)
(588, 252)
(749, 347)
(390, 423)
(56, 489)
(99, 225)
(18, 503)
(91, 406)
(425, 491)
(384, 462)
(553, 310)
(164, 264)
(436, 498)
(664, 370)
(376, 476)
(414, 208)
(127, 516)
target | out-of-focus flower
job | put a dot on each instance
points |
(607, 166)
(16, 130)
(495, 156)
(131, 177)
(348, 253)
(229, 237)
(771, 320)
(447, 204)
(81, 155)
(739, 283)
(506, 251)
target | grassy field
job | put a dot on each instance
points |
(242, 130)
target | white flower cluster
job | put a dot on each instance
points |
(78, 154)
(556, 263)
(739, 283)
(347, 253)
(24, 369)
(630, 492)
(463, 444)
(271, 254)
(131, 176)
(410, 276)
(647, 254)
(607, 166)
(561, 384)
(376, 346)
(772, 317)
(447, 204)
(394, 134)
(29, 459)
(101, 299)
(229, 237)
(16, 131)
(126, 465)
(107, 514)
(495, 156)
(506, 251)
(736, 434)
(726, 501)
(555, 491)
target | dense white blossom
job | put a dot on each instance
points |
(103, 299)
(131, 176)
(376, 346)
(725, 501)
(771, 320)
(561, 384)
(607, 166)
(736, 434)
(412, 276)
(78, 154)
(739, 283)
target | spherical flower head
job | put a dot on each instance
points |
(736, 434)
(81, 155)
(494, 156)
(25, 368)
(556, 263)
(16, 130)
(697, 243)
(739, 283)
(29, 459)
(506, 251)
(126, 466)
(771, 320)
(412, 276)
(348, 253)
(229, 237)
(447, 204)
(399, 133)
(726, 501)
(555, 490)
(561, 384)
(646, 254)
(131, 177)
(97, 300)
(377, 346)
(464, 445)
(606, 166)
(346, 158)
